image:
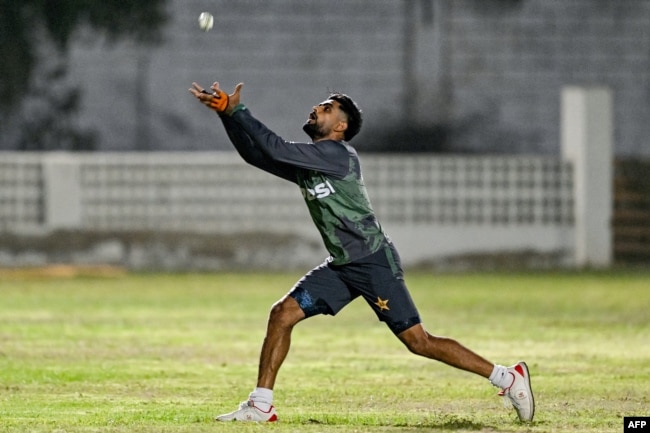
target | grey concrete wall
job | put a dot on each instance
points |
(489, 72)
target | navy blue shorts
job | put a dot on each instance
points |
(378, 278)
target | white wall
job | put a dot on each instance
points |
(432, 206)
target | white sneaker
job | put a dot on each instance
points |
(249, 412)
(519, 392)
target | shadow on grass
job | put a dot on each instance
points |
(444, 423)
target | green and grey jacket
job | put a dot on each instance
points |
(329, 176)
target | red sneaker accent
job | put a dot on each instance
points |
(273, 417)
(519, 369)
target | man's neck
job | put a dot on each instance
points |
(331, 137)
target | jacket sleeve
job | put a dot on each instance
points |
(250, 153)
(329, 157)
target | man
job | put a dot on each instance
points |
(363, 261)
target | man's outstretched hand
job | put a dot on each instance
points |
(217, 100)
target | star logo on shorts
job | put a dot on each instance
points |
(382, 304)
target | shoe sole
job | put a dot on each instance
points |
(529, 388)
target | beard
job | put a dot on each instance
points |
(313, 130)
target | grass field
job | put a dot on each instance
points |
(165, 353)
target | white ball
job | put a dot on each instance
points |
(206, 21)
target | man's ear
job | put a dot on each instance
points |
(341, 126)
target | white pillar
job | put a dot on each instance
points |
(62, 191)
(587, 142)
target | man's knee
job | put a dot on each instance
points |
(286, 312)
(416, 339)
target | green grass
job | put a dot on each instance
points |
(165, 353)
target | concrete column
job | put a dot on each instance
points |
(62, 191)
(587, 142)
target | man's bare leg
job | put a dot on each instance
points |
(446, 350)
(285, 314)
(283, 317)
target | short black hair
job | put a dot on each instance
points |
(352, 110)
